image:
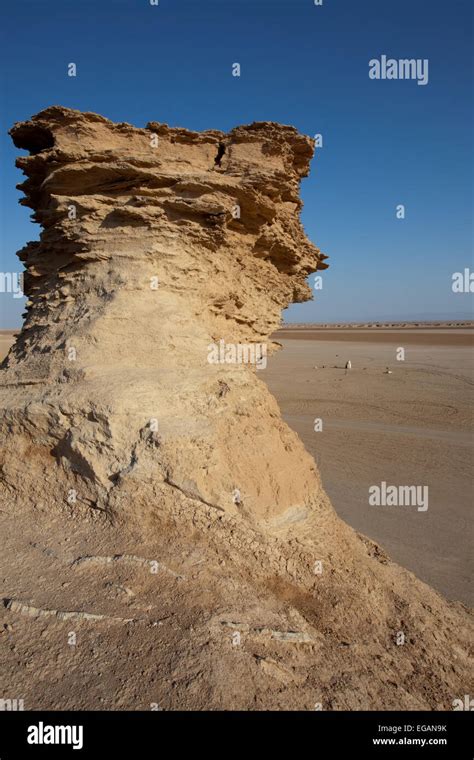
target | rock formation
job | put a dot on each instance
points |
(158, 243)
(165, 253)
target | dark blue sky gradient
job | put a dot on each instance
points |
(385, 142)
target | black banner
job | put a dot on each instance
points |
(127, 734)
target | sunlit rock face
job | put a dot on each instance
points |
(165, 261)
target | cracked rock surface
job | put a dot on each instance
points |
(156, 244)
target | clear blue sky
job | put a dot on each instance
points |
(385, 142)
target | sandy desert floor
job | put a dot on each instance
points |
(85, 624)
(411, 427)
(6, 339)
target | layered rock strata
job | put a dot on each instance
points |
(165, 260)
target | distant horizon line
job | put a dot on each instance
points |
(342, 323)
(376, 322)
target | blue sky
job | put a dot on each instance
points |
(384, 142)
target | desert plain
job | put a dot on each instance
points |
(74, 634)
(405, 422)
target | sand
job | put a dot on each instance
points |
(6, 339)
(413, 426)
(142, 639)
(408, 336)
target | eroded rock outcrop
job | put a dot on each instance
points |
(160, 246)
(158, 243)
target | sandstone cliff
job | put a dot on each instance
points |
(159, 244)
(177, 240)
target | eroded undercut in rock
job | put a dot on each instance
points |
(158, 243)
